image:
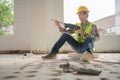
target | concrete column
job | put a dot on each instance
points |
(117, 10)
(38, 28)
(44, 33)
(54, 10)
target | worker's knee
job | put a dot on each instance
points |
(66, 35)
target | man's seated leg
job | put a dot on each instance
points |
(87, 50)
(64, 37)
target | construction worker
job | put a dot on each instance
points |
(85, 36)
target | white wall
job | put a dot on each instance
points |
(34, 29)
(21, 38)
(108, 43)
(44, 33)
(54, 10)
(38, 28)
(117, 2)
(106, 22)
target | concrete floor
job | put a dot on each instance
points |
(33, 67)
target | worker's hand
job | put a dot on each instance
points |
(80, 32)
(56, 23)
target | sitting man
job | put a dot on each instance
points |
(85, 36)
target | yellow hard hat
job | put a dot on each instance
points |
(82, 8)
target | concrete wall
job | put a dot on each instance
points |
(22, 26)
(106, 22)
(34, 29)
(117, 2)
(38, 28)
(54, 10)
(108, 43)
(44, 33)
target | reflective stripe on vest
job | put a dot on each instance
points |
(88, 30)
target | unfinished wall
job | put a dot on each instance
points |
(117, 12)
(22, 26)
(106, 22)
(34, 29)
(43, 32)
(38, 28)
(108, 44)
(54, 10)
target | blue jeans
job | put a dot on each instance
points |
(78, 47)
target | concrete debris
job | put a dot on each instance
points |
(88, 71)
(68, 68)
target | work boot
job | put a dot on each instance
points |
(86, 57)
(49, 57)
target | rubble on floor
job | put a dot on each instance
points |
(33, 67)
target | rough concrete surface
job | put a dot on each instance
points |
(33, 67)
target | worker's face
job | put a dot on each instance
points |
(83, 16)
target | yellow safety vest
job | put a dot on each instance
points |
(88, 30)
